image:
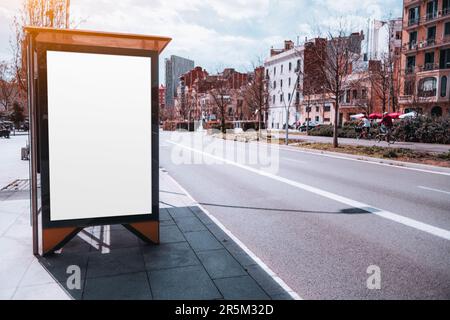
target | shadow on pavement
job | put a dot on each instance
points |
(195, 260)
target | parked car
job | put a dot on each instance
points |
(4, 131)
(311, 125)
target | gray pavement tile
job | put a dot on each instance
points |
(170, 234)
(164, 215)
(43, 292)
(240, 288)
(76, 245)
(269, 285)
(167, 223)
(191, 283)
(220, 264)
(202, 240)
(171, 255)
(190, 224)
(120, 261)
(244, 259)
(13, 270)
(57, 265)
(133, 286)
(201, 215)
(181, 212)
(37, 276)
(220, 235)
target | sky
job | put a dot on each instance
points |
(217, 33)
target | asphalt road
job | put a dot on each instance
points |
(318, 221)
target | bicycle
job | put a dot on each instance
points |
(363, 133)
(386, 136)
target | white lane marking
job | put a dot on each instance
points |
(253, 256)
(294, 160)
(436, 231)
(366, 161)
(432, 189)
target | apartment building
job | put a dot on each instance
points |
(282, 73)
(425, 60)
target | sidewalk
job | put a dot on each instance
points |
(195, 260)
(424, 147)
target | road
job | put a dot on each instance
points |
(423, 147)
(319, 221)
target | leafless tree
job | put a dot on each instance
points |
(8, 89)
(220, 98)
(39, 13)
(336, 59)
(256, 96)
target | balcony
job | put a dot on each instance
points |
(427, 18)
(410, 47)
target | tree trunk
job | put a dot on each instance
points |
(336, 123)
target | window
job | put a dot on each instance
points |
(267, 73)
(317, 118)
(326, 119)
(413, 16)
(290, 66)
(444, 62)
(445, 7)
(355, 94)
(410, 64)
(443, 86)
(347, 96)
(289, 97)
(412, 40)
(427, 87)
(297, 97)
(273, 99)
(317, 109)
(274, 70)
(447, 28)
(429, 61)
(431, 35)
(281, 69)
(298, 65)
(364, 93)
(281, 83)
(281, 97)
(289, 82)
(327, 109)
(274, 84)
(432, 9)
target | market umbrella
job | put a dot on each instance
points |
(395, 115)
(357, 116)
(375, 116)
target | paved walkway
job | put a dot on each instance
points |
(195, 260)
(425, 147)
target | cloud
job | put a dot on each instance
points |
(216, 33)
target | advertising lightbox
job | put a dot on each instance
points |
(99, 135)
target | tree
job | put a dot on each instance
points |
(220, 98)
(38, 13)
(380, 75)
(17, 115)
(8, 90)
(336, 59)
(256, 96)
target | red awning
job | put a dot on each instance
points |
(375, 116)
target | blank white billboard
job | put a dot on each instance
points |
(99, 126)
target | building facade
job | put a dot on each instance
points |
(425, 60)
(175, 67)
(283, 73)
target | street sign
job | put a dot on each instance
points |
(94, 132)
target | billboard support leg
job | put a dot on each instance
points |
(55, 238)
(147, 231)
